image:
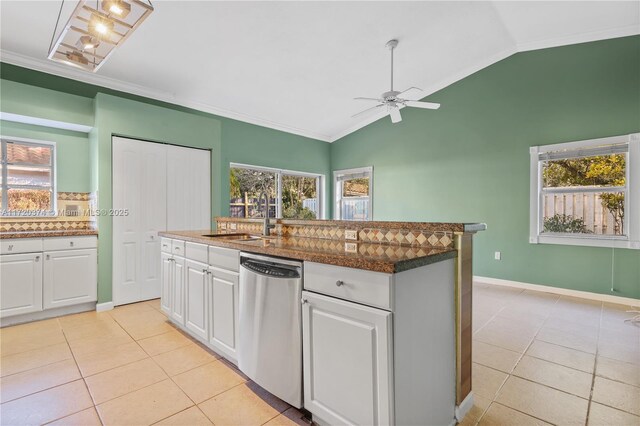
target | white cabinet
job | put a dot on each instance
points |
(166, 281)
(177, 290)
(223, 302)
(348, 366)
(21, 284)
(70, 277)
(196, 283)
(200, 293)
(47, 273)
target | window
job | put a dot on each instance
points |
(27, 178)
(354, 193)
(587, 193)
(292, 195)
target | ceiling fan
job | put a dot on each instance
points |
(394, 100)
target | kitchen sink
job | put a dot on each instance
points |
(234, 237)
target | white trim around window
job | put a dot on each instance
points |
(320, 184)
(5, 185)
(346, 174)
(628, 144)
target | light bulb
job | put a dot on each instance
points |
(116, 7)
(87, 42)
(100, 27)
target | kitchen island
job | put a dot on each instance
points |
(381, 310)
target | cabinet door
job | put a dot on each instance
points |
(196, 282)
(166, 278)
(70, 277)
(177, 291)
(223, 299)
(348, 364)
(20, 284)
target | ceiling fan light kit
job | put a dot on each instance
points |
(95, 29)
(394, 100)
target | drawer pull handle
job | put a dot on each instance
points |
(164, 245)
(339, 283)
(177, 248)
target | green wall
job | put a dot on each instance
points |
(72, 153)
(469, 161)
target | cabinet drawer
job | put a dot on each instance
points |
(66, 243)
(369, 288)
(177, 247)
(165, 245)
(195, 251)
(20, 245)
(224, 258)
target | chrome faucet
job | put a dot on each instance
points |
(266, 226)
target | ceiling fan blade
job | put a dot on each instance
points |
(395, 115)
(366, 111)
(412, 94)
(368, 99)
(425, 105)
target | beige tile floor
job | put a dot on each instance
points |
(538, 359)
(128, 366)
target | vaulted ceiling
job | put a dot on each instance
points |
(296, 66)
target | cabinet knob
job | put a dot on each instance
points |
(339, 283)
(164, 245)
(71, 243)
(304, 301)
(152, 237)
(37, 258)
(204, 270)
(10, 247)
(48, 257)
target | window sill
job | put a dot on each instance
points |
(613, 242)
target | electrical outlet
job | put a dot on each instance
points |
(350, 247)
(350, 234)
(497, 255)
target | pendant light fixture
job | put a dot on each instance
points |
(95, 29)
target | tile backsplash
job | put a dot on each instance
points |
(334, 230)
(73, 213)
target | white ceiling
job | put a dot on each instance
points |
(295, 66)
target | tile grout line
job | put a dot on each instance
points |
(595, 366)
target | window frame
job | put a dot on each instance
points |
(320, 178)
(631, 239)
(4, 186)
(337, 190)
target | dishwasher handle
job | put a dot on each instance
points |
(270, 269)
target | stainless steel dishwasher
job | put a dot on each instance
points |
(270, 350)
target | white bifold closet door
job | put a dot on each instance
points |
(153, 182)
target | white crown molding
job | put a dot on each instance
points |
(54, 68)
(98, 80)
(627, 31)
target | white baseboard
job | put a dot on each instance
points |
(47, 313)
(557, 290)
(106, 306)
(464, 407)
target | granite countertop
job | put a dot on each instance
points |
(44, 234)
(372, 257)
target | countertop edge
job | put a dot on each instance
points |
(374, 265)
(47, 234)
